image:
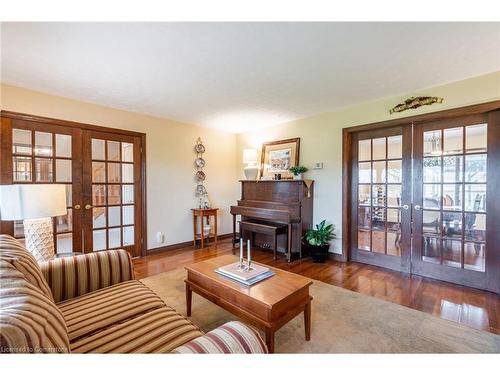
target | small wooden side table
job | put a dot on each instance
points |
(202, 213)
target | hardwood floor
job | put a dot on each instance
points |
(467, 306)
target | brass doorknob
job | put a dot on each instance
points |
(88, 206)
(77, 207)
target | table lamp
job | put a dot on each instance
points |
(250, 159)
(35, 204)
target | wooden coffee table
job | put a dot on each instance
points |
(269, 304)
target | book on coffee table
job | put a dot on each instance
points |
(258, 273)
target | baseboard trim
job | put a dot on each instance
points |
(337, 257)
(180, 245)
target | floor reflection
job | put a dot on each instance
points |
(473, 316)
(467, 306)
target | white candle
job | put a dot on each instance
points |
(248, 253)
(241, 250)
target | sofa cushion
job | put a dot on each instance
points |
(70, 277)
(29, 321)
(230, 338)
(13, 252)
(105, 307)
(157, 331)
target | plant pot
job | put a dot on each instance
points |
(319, 254)
(297, 176)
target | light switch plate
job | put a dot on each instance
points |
(318, 165)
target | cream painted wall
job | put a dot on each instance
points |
(170, 183)
(170, 159)
(321, 137)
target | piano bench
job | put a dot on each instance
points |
(272, 229)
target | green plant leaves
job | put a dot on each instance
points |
(296, 170)
(320, 236)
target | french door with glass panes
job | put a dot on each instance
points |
(45, 154)
(456, 201)
(112, 191)
(381, 200)
(102, 172)
(426, 199)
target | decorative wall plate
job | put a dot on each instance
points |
(199, 162)
(200, 190)
(200, 176)
(199, 148)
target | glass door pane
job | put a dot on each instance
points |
(453, 208)
(380, 178)
(447, 183)
(113, 164)
(42, 154)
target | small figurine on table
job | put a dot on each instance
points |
(204, 202)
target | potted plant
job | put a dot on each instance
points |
(318, 241)
(297, 171)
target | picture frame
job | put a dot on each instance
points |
(278, 156)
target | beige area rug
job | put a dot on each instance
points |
(342, 322)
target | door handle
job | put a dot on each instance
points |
(417, 207)
(88, 206)
(77, 207)
(405, 207)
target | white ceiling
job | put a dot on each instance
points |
(241, 76)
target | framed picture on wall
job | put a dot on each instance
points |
(278, 157)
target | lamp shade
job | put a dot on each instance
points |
(249, 156)
(33, 201)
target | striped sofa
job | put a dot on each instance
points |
(92, 304)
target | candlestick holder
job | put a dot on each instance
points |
(241, 265)
(249, 268)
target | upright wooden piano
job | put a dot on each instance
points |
(287, 202)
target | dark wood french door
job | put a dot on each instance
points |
(35, 154)
(456, 211)
(102, 172)
(425, 199)
(381, 200)
(112, 189)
